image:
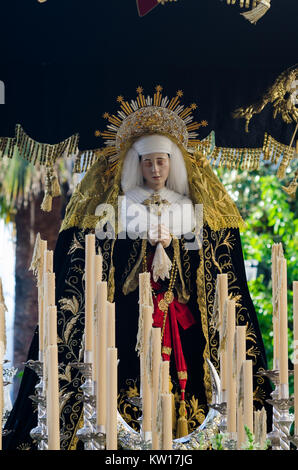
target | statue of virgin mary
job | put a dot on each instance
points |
(155, 205)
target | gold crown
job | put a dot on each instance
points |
(149, 115)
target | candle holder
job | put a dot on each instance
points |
(130, 439)
(219, 404)
(294, 440)
(39, 433)
(221, 408)
(135, 401)
(230, 441)
(8, 375)
(86, 433)
(283, 404)
(274, 435)
(99, 440)
(282, 418)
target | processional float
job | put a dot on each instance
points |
(231, 419)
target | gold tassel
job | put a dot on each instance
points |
(256, 13)
(52, 189)
(56, 190)
(46, 204)
(182, 427)
(36, 255)
(291, 189)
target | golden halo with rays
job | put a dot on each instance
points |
(147, 115)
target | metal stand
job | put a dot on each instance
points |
(40, 432)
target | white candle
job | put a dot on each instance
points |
(49, 300)
(97, 278)
(111, 338)
(231, 379)
(97, 270)
(111, 432)
(146, 389)
(47, 291)
(89, 289)
(144, 289)
(241, 356)
(248, 394)
(52, 325)
(165, 377)
(283, 330)
(101, 358)
(53, 413)
(156, 360)
(43, 248)
(222, 280)
(275, 316)
(167, 439)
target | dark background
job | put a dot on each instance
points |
(65, 62)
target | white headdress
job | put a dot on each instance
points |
(131, 172)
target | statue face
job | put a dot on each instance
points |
(155, 169)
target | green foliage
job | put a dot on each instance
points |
(271, 217)
(217, 441)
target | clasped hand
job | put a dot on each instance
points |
(159, 233)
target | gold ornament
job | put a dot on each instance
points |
(258, 8)
(150, 115)
(282, 95)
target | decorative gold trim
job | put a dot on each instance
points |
(150, 115)
(282, 96)
(132, 280)
(184, 293)
(111, 278)
(74, 441)
(182, 374)
(166, 350)
(201, 299)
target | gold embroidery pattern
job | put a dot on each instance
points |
(129, 412)
(186, 264)
(132, 258)
(185, 295)
(132, 280)
(70, 324)
(201, 298)
(217, 254)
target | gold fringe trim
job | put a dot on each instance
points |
(36, 152)
(258, 12)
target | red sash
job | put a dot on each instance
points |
(177, 313)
